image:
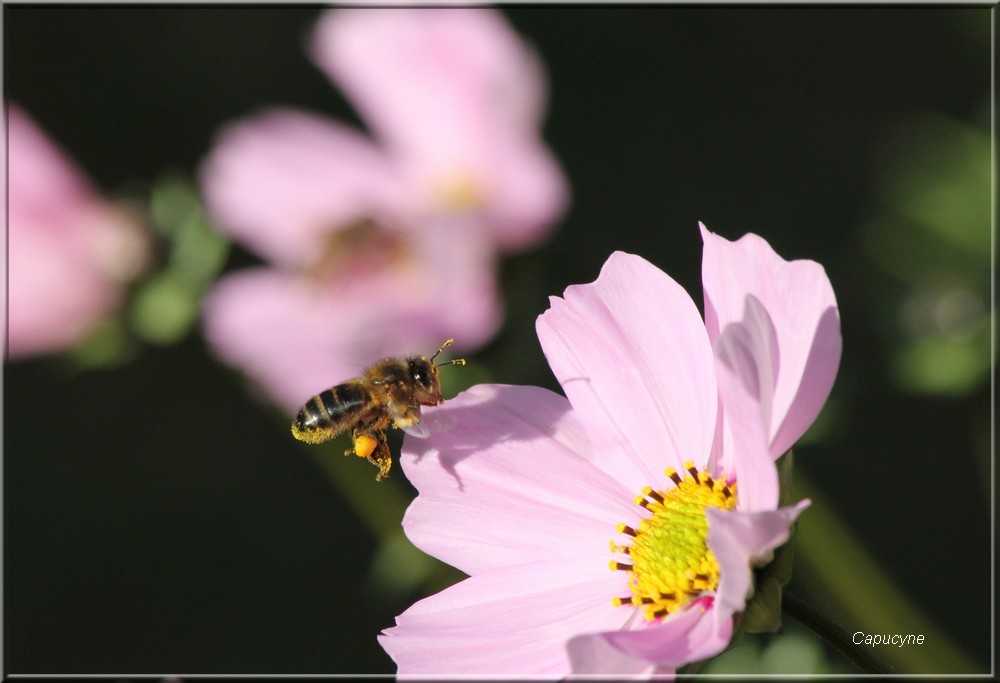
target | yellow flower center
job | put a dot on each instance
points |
(461, 193)
(363, 246)
(669, 561)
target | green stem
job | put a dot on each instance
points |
(834, 567)
(832, 633)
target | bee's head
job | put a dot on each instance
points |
(424, 380)
(424, 375)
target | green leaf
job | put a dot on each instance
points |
(163, 309)
(945, 365)
(166, 305)
(107, 344)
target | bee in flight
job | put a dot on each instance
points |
(390, 391)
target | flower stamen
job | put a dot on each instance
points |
(627, 530)
(671, 562)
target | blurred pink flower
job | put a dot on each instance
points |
(70, 250)
(386, 245)
(522, 489)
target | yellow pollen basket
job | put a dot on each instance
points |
(364, 446)
(668, 560)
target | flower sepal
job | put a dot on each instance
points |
(763, 612)
(763, 609)
(784, 465)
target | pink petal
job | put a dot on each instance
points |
(687, 636)
(797, 366)
(450, 280)
(740, 541)
(421, 61)
(295, 337)
(282, 182)
(55, 293)
(43, 181)
(592, 654)
(298, 335)
(527, 193)
(284, 335)
(458, 99)
(504, 480)
(510, 621)
(69, 249)
(632, 355)
(746, 353)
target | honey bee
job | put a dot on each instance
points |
(390, 391)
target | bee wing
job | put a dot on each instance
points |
(417, 429)
(407, 418)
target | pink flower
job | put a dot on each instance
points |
(382, 246)
(71, 250)
(525, 490)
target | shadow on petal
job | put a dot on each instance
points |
(816, 382)
(487, 416)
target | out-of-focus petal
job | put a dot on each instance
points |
(527, 192)
(503, 480)
(631, 353)
(285, 335)
(455, 263)
(422, 61)
(283, 181)
(687, 636)
(43, 182)
(510, 621)
(296, 336)
(458, 99)
(796, 374)
(54, 293)
(70, 250)
(740, 541)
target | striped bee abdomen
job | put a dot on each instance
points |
(330, 412)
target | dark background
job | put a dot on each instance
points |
(158, 518)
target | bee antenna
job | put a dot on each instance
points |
(457, 361)
(447, 343)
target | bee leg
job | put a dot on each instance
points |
(375, 447)
(381, 458)
(407, 416)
